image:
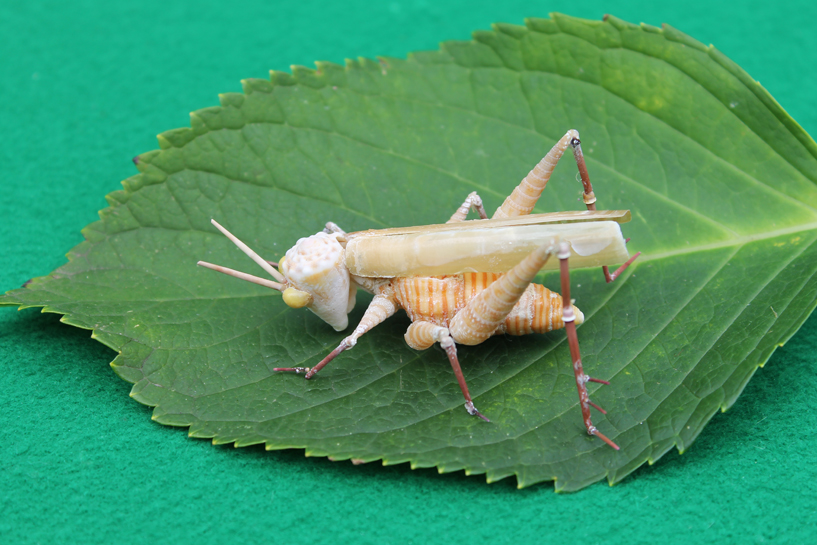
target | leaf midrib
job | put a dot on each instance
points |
(645, 258)
(737, 241)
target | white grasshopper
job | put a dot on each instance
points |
(459, 282)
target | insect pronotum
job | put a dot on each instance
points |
(459, 282)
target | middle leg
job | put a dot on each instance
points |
(422, 335)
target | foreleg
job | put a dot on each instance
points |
(382, 306)
(472, 202)
(422, 335)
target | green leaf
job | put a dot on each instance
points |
(721, 182)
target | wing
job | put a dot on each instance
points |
(486, 245)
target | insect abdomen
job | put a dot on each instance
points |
(539, 310)
(437, 299)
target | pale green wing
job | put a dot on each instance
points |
(486, 245)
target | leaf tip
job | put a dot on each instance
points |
(164, 143)
(281, 78)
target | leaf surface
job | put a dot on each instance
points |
(720, 180)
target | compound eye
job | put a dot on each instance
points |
(296, 298)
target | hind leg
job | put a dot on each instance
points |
(569, 318)
(524, 197)
(482, 315)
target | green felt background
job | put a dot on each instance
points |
(85, 86)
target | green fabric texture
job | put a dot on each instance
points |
(85, 86)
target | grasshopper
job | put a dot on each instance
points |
(459, 282)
